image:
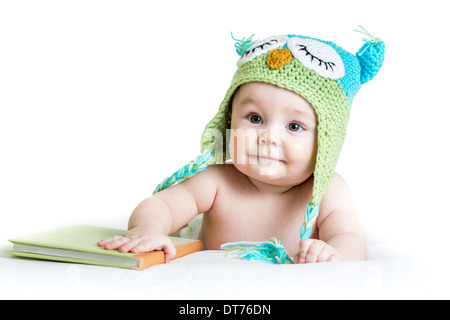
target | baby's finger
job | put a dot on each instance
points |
(170, 251)
(108, 241)
(314, 251)
(326, 254)
(142, 246)
(129, 245)
(116, 243)
(304, 247)
(149, 245)
(101, 243)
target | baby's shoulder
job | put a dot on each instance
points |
(337, 183)
(337, 197)
(224, 172)
(227, 177)
(221, 169)
(337, 191)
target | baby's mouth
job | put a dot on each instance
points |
(268, 158)
(264, 158)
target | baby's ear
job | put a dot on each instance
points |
(370, 56)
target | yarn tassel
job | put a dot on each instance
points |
(368, 38)
(367, 34)
(271, 251)
(242, 45)
(192, 168)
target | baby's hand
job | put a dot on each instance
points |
(141, 239)
(312, 250)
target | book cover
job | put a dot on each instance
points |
(78, 244)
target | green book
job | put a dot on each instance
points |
(78, 244)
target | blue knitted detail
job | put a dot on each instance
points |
(192, 168)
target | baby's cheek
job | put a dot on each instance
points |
(304, 154)
(242, 143)
(236, 150)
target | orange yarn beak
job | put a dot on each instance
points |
(278, 58)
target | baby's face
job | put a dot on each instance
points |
(273, 134)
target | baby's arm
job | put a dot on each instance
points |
(341, 236)
(164, 213)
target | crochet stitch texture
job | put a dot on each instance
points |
(326, 75)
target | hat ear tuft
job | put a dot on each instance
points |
(370, 56)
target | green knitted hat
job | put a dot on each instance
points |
(326, 75)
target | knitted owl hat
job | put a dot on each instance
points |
(326, 75)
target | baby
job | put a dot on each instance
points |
(284, 118)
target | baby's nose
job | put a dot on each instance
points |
(278, 58)
(268, 136)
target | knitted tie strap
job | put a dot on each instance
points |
(271, 251)
(310, 218)
(192, 168)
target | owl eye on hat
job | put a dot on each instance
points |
(320, 71)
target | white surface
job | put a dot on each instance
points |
(101, 100)
(209, 275)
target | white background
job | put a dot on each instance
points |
(101, 100)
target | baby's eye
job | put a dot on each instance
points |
(261, 47)
(255, 119)
(294, 126)
(317, 56)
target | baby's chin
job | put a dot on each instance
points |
(271, 173)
